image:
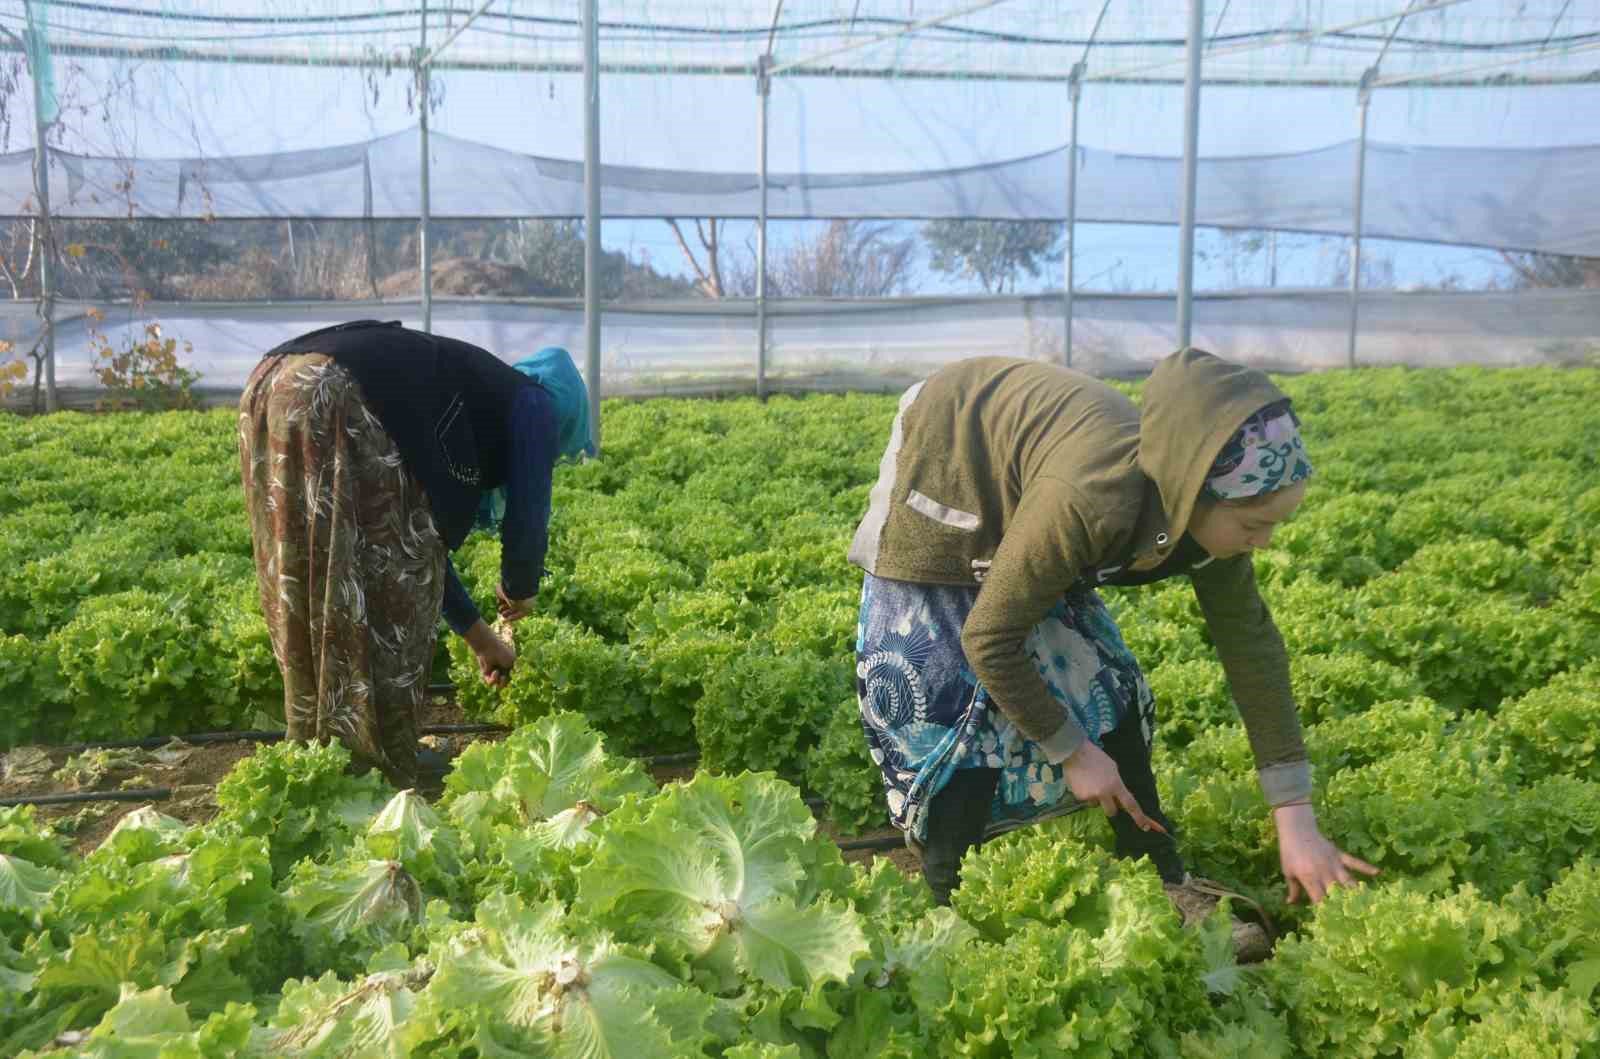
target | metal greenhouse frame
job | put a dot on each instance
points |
(779, 47)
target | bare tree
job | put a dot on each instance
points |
(708, 273)
(840, 259)
(19, 243)
(1552, 270)
(846, 259)
(1377, 268)
(1234, 249)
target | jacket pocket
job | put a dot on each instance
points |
(458, 448)
(943, 514)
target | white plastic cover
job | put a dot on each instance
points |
(1535, 199)
(875, 344)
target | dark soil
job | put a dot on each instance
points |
(191, 773)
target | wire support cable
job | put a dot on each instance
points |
(408, 17)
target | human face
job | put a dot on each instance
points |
(1225, 528)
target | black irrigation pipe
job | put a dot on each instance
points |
(252, 736)
(137, 794)
(879, 842)
(462, 729)
(158, 794)
(194, 739)
(686, 757)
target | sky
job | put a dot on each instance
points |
(817, 125)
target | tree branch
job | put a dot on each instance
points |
(683, 244)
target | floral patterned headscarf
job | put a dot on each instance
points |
(1265, 454)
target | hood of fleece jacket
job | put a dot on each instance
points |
(1192, 404)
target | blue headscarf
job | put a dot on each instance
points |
(552, 368)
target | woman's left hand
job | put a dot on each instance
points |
(1311, 864)
(495, 657)
(512, 609)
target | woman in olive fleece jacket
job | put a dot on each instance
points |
(994, 685)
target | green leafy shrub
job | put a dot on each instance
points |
(1191, 698)
(301, 798)
(1346, 683)
(561, 666)
(841, 771)
(1556, 728)
(766, 710)
(1379, 961)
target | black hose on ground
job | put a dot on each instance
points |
(137, 794)
(157, 794)
(251, 736)
(876, 842)
(193, 739)
(687, 757)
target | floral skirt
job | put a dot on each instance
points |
(926, 714)
(350, 566)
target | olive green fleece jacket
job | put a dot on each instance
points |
(1022, 477)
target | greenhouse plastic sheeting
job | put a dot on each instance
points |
(1254, 40)
(1514, 199)
(878, 344)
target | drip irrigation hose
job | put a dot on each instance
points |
(150, 743)
(158, 794)
(137, 794)
(252, 736)
(877, 842)
(686, 757)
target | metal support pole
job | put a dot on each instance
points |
(424, 245)
(1363, 97)
(591, 208)
(1191, 144)
(46, 235)
(1075, 92)
(764, 92)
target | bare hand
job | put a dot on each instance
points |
(1093, 777)
(512, 609)
(495, 657)
(1312, 865)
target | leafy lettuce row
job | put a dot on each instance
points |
(698, 594)
(710, 919)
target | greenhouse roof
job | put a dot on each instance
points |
(1311, 42)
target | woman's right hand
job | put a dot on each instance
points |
(512, 609)
(1093, 777)
(495, 657)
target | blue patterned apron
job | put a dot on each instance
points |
(926, 714)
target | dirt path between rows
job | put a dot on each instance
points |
(192, 772)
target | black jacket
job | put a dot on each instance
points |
(446, 403)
